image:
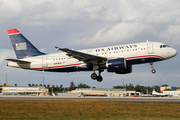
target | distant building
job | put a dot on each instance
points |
(166, 88)
(24, 90)
(172, 93)
(1, 85)
(104, 92)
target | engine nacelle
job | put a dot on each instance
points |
(115, 65)
(125, 71)
(118, 66)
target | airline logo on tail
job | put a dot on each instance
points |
(21, 46)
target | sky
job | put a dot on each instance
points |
(82, 24)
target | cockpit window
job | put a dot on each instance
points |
(163, 46)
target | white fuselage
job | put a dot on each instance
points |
(136, 53)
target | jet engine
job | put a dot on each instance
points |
(119, 66)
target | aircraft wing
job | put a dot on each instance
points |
(87, 58)
(17, 61)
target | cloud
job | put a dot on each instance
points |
(171, 34)
(5, 54)
(121, 32)
(43, 12)
(110, 34)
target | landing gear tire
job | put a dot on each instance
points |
(153, 71)
(99, 78)
(94, 76)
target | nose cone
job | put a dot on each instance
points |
(174, 52)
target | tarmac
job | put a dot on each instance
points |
(72, 98)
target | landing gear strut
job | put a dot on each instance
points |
(153, 70)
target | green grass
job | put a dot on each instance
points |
(92, 110)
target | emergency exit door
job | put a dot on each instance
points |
(44, 61)
(150, 48)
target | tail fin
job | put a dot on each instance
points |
(22, 47)
(154, 92)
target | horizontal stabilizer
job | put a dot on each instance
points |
(17, 61)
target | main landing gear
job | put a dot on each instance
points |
(153, 70)
(94, 76)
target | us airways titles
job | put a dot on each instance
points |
(116, 48)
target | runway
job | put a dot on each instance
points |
(119, 99)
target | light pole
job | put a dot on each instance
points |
(43, 81)
(160, 85)
(6, 79)
(123, 82)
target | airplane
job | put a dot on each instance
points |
(116, 59)
(154, 93)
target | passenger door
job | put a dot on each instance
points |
(150, 48)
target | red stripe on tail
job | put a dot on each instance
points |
(13, 31)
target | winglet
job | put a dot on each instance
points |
(13, 31)
(57, 48)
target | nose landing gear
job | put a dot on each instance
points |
(153, 70)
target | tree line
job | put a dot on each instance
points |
(60, 88)
(130, 87)
(72, 86)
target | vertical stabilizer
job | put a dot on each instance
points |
(154, 92)
(22, 47)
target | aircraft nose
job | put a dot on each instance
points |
(174, 52)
